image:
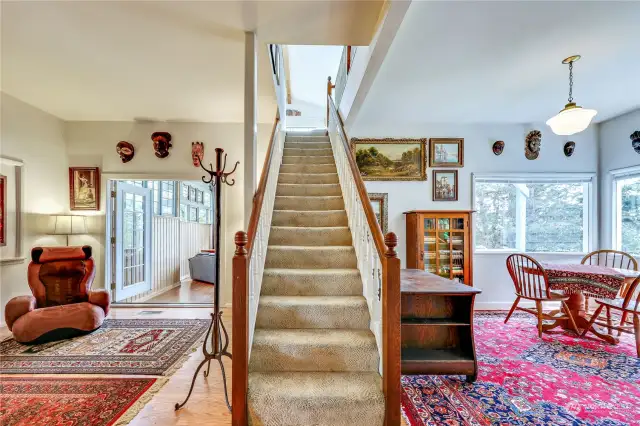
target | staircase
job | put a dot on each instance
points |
(314, 360)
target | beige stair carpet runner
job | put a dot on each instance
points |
(314, 360)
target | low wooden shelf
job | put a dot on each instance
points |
(437, 325)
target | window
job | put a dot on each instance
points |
(203, 215)
(196, 203)
(533, 213)
(627, 210)
(193, 214)
(185, 191)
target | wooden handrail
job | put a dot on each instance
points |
(259, 195)
(385, 246)
(376, 231)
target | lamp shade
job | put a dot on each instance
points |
(571, 120)
(69, 225)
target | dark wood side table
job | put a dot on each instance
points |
(437, 325)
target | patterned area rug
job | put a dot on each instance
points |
(128, 346)
(31, 401)
(523, 380)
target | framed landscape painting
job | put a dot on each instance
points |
(446, 152)
(390, 159)
(379, 204)
(84, 188)
(445, 185)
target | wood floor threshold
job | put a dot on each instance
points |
(162, 305)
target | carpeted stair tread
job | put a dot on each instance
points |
(305, 178)
(303, 202)
(310, 236)
(306, 257)
(306, 138)
(345, 312)
(308, 159)
(314, 350)
(304, 151)
(315, 398)
(308, 168)
(311, 282)
(309, 218)
(308, 189)
(307, 145)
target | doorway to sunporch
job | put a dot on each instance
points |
(160, 235)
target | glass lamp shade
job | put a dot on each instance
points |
(571, 120)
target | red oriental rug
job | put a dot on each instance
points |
(29, 401)
(523, 380)
(121, 346)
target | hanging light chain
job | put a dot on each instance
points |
(570, 81)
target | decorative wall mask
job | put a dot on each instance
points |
(532, 144)
(197, 152)
(635, 140)
(293, 112)
(569, 147)
(125, 151)
(498, 147)
(161, 143)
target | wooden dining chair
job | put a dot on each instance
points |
(532, 283)
(612, 259)
(629, 307)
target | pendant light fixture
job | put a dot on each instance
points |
(573, 118)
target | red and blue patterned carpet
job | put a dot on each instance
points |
(523, 380)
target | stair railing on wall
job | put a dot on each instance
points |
(378, 264)
(248, 266)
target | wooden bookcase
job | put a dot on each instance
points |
(437, 325)
(440, 242)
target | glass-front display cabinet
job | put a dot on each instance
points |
(440, 242)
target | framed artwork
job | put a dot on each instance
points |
(3, 216)
(379, 204)
(390, 159)
(274, 52)
(445, 185)
(446, 152)
(84, 188)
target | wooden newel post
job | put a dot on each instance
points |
(391, 332)
(240, 332)
(329, 89)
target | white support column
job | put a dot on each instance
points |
(250, 123)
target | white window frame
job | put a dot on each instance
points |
(616, 215)
(590, 212)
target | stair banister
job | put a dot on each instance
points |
(248, 266)
(378, 263)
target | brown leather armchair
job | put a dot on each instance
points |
(62, 304)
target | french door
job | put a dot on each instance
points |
(133, 209)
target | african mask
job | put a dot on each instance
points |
(197, 152)
(532, 144)
(569, 147)
(125, 151)
(635, 140)
(161, 143)
(498, 147)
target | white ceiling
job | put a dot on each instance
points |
(468, 62)
(160, 60)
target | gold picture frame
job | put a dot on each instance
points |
(379, 202)
(397, 163)
(441, 154)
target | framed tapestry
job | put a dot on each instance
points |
(84, 188)
(3, 204)
(445, 185)
(446, 152)
(390, 159)
(380, 208)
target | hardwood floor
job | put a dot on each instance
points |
(188, 292)
(206, 405)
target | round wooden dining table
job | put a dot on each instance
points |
(592, 280)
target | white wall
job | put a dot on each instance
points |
(36, 138)
(93, 144)
(489, 269)
(615, 152)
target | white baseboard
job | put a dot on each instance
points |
(505, 306)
